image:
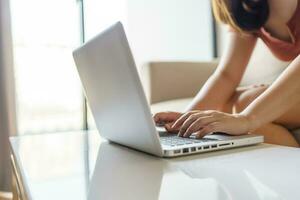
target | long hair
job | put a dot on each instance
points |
(242, 15)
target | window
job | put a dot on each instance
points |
(49, 96)
(48, 89)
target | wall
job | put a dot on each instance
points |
(222, 39)
(170, 30)
(157, 29)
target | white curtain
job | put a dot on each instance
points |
(7, 95)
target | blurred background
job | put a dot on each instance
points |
(41, 91)
(49, 96)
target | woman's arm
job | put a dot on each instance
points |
(222, 84)
(281, 96)
(220, 87)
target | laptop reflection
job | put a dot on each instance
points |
(122, 173)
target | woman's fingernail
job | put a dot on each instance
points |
(168, 127)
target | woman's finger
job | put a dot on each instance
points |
(182, 119)
(212, 127)
(191, 119)
(198, 125)
(164, 117)
(169, 128)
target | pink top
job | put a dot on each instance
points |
(284, 50)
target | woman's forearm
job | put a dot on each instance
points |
(281, 96)
(220, 87)
(214, 94)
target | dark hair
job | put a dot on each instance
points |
(249, 15)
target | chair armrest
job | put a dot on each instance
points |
(174, 80)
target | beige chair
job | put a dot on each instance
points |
(170, 86)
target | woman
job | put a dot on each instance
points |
(220, 105)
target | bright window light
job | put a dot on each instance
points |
(49, 96)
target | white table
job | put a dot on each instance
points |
(81, 166)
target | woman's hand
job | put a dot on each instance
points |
(167, 119)
(204, 122)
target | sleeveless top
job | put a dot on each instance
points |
(283, 50)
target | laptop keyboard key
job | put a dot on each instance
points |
(172, 140)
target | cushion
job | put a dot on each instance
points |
(179, 105)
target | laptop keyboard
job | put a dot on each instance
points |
(172, 140)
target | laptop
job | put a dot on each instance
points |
(114, 92)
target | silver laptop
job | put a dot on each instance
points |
(119, 106)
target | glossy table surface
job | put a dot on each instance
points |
(81, 166)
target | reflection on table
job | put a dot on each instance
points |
(82, 166)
